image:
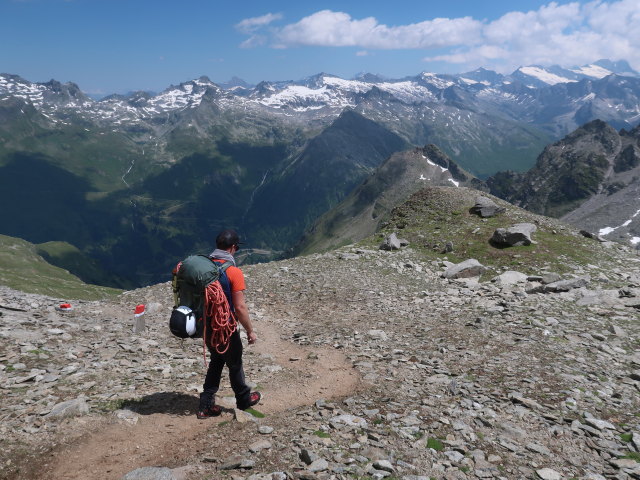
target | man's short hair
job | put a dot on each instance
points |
(226, 239)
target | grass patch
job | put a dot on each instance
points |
(435, 444)
(321, 434)
(37, 351)
(626, 437)
(633, 456)
(255, 413)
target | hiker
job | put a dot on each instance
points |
(232, 280)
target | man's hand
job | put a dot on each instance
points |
(251, 337)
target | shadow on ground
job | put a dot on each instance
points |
(172, 403)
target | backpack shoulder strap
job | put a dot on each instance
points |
(225, 265)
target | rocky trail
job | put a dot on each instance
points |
(166, 420)
(372, 364)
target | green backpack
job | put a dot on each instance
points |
(190, 279)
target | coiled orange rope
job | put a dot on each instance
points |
(219, 317)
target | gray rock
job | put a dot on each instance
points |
(349, 420)
(384, 465)
(319, 465)
(548, 474)
(593, 236)
(70, 408)
(150, 473)
(593, 476)
(127, 416)
(548, 278)
(599, 424)
(616, 330)
(308, 457)
(237, 462)
(468, 268)
(561, 286)
(509, 277)
(485, 207)
(378, 334)
(453, 456)
(243, 417)
(391, 242)
(624, 463)
(255, 447)
(515, 236)
(635, 438)
(541, 449)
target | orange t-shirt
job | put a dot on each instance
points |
(235, 276)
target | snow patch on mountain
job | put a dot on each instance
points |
(592, 71)
(300, 98)
(408, 91)
(436, 81)
(19, 88)
(544, 75)
(347, 85)
(607, 230)
(470, 81)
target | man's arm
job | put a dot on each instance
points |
(242, 314)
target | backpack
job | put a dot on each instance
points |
(201, 306)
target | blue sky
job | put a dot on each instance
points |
(110, 46)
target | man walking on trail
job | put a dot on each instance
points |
(232, 280)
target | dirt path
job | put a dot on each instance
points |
(167, 424)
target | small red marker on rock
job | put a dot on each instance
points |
(64, 307)
(138, 315)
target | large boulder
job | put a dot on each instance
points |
(515, 236)
(485, 207)
(467, 269)
(392, 242)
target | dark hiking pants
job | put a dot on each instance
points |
(232, 358)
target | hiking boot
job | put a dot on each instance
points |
(254, 398)
(212, 411)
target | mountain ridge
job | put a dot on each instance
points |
(589, 178)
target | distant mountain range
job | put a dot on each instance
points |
(144, 178)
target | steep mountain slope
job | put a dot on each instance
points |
(318, 178)
(367, 206)
(589, 178)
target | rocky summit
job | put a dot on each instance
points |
(372, 365)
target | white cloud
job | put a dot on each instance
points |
(337, 29)
(250, 25)
(573, 33)
(564, 34)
